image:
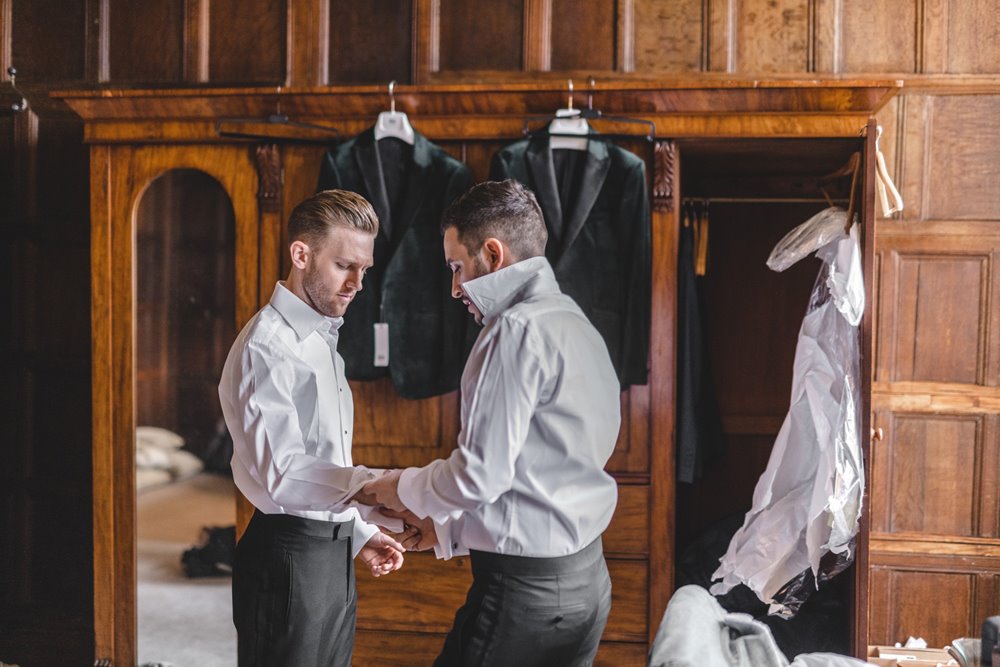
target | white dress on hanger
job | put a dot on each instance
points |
(808, 501)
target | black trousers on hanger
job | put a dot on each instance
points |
(294, 595)
(528, 612)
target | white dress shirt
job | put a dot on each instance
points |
(290, 412)
(540, 417)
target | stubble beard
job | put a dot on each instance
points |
(320, 295)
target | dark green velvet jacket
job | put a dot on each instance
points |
(597, 213)
(409, 285)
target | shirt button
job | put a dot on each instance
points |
(345, 432)
(454, 545)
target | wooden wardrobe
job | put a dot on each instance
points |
(757, 147)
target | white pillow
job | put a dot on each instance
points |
(155, 436)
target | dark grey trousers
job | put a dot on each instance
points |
(294, 596)
(548, 612)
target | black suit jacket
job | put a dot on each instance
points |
(597, 213)
(409, 285)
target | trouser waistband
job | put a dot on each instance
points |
(287, 523)
(484, 561)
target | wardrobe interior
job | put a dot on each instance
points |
(744, 196)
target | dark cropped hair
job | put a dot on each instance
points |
(505, 210)
(314, 217)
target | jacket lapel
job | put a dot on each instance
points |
(543, 176)
(585, 193)
(367, 158)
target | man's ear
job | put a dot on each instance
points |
(300, 254)
(495, 253)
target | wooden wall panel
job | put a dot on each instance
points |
(963, 169)
(758, 36)
(926, 474)
(878, 36)
(370, 42)
(481, 36)
(962, 36)
(61, 157)
(583, 35)
(48, 39)
(668, 36)
(246, 41)
(934, 605)
(146, 43)
(924, 336)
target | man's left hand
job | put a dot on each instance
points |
(383, 491)
(382, 554)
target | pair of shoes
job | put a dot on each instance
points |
(213, 555)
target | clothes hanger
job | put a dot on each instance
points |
(572, 123)
(393, 124)
(274, 128)
(850, 168)
(884, 187)
(22, 104)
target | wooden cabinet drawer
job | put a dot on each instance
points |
(424, 595)
(628, 534)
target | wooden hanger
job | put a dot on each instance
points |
(850, 168)
(393, 124)
(273, 128)
(572, 123)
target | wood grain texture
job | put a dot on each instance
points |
(246, 41)
(583, 35)
(769, 35)
(308, 43)
(484, 36)
(669, 36)
(938, 606)
(425, 594)
(35, 26)
(879, 36)
(962, 172)
(146, 41)
(927, 474)
(408, 649)
(925, 338)
(371, 42)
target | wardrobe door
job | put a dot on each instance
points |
(867, 218)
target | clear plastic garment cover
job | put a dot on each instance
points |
(806, 506)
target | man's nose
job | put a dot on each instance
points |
(456, 287)
(355, 279)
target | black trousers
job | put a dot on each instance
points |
(548, 612)
(294, 595)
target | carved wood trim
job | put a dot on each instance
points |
(664, 160)
(196, 36)
(267, 159)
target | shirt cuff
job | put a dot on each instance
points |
(362, 533)
(408, 494)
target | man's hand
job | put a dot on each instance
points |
(419, 534)
(384, 491)
(382, 554)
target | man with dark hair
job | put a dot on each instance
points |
(525, 492)
(290, 412)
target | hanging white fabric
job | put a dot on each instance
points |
(808, 501)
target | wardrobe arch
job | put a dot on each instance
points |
(722, 139)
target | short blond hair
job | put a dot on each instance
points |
(313, 218)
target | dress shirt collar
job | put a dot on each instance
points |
(302, 317)
(495, 292)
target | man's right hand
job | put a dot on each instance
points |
(419, 534)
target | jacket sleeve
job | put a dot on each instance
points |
(634, 212)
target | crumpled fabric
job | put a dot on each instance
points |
(806, 506)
